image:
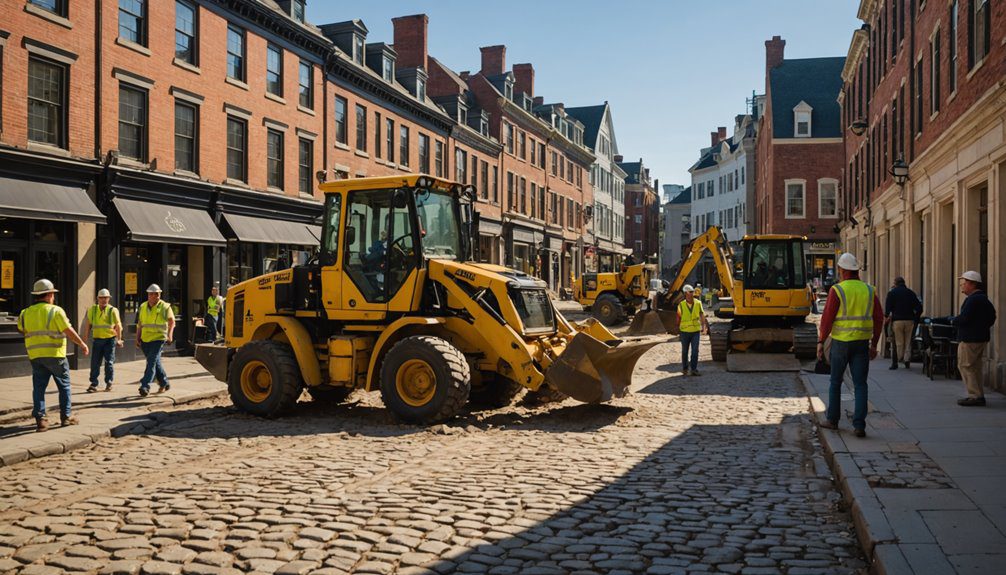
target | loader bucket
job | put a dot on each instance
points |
(213, 358)
(653, 323)
(592, 371)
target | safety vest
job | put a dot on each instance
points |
(690, 318)
(213, 306)
(102, 322)
(154, 322)
(40, 324)
(854, 321)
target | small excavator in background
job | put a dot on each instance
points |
(613, 297)
(767, 301)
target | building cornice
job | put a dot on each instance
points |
(273, 22)
(475, 141)
(867, 8)
(857, 47)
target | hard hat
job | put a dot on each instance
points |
(154, 288)
(971, 276)
(848, 262)
(688, 288)
(104, 293)
(43, 286)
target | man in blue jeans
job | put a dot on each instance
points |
(691, 324)
(155, 327)
(853, 318)
(103, 320)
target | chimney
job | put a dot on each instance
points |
(774, 50)
(618, 158)
(538, 101)
(714, 138)
(524, 76)
(410, 40)
(464, 75)
(722, 132)
(493, 60)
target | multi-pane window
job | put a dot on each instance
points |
(475, 170)
(389, 143)
(237, 148)
(439, 159)
(299, 12)
(305, 165)
(388, 70)
(460, 165)
(541, 155)
(403, 144)
(132, 122)
(509, 191)
(523, 195)
(185, 31)
(361, 128)
(305, 81)
(934, 75)
(952, 37)
(46, 102)
(420, 89)
(377, 134)
(358, 49)
(274, 70)
(485, 180)
(918, 97)
(509, 139)
(980, 30)
(795, 199)
(185, 137)
(274, 159)
(523, 145)
(827, 198)
(57, 7)
(235, 53)
(424, 154)
(496, 184)
(132, 21)
(340, 120)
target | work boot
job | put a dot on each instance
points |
(827, 424)
(68, 420)
(108, 387)
(859, 432)
(696, 372)
(163, 388)
(144, 391)
(894, 366)
(41, 424)
(908, 365)
(971, 401)
(93, 388)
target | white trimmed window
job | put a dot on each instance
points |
(802, 127)
(827, 198)
(796, 199)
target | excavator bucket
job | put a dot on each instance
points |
(653, 322)
(592, 371)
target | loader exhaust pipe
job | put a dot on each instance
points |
(593, 371)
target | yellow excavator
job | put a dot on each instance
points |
(394, 303)
(768, 298)
(612, 297)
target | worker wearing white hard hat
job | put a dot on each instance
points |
(155, 328)
(974, 330)
(46, 329)
(853, 318)
(691, 324)
(103, 321)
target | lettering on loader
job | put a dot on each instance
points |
(465, 274)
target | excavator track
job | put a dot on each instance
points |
(719, 339)
(805, 341)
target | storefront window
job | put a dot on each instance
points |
(13, 229)
(12, 289)
(49, 232)
(522, 257)
(239, 262)
(136, 264)
(174, 290)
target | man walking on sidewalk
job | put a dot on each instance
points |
(156, 326)
(691, 324)
(45, 328)
(103, 320)
(902, 313)
(853, 318)
(974, 326)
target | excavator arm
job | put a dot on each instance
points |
(713, 241)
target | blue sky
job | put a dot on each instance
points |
(672, 70)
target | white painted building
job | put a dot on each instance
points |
(723, 182)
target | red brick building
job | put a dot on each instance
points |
(799, 154)
(923, 82)
(642, 211)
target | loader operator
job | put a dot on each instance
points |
(692, 324)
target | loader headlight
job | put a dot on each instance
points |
(423, 182)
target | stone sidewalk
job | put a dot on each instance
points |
(102, 414)
(927, 484)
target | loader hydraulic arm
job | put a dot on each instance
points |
(716, 243)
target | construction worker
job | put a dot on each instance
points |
(102, 319)
(974, 326)
(691, 323)
(853, 318)
(155, 327)
(46, 328)
(214, 304)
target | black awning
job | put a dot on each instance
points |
(266, 231)
(45, 201)
(149, 222)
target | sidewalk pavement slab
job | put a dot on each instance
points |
(927, 485)
(115, 413)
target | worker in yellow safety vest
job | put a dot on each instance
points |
(691, 324)
(102, 319)
(46, 329)
(214, 304)
(155, 327)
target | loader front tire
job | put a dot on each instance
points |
(264, 378)
(425, 380)
(608, 310)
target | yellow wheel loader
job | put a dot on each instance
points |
(612, 297)
(768, 298)
(394, 303)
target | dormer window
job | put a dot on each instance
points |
(484, 127)
(421, 89)
(388, 67)
(299, 11)
(462, 115)
(508, 90)
(358, 49)
(802, 127)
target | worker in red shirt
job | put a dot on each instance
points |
(853, 318)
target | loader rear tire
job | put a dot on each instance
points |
(499, 393)
(608, 310)
(264, 378)
(545, 394)
(329, 395)
(425, 380)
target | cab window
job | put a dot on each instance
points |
(769, 266)
(330, 233)
(379, 250)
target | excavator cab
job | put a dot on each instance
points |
(773, 272)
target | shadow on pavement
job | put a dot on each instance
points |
(777, 385)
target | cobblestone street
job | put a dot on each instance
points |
(719, 473)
